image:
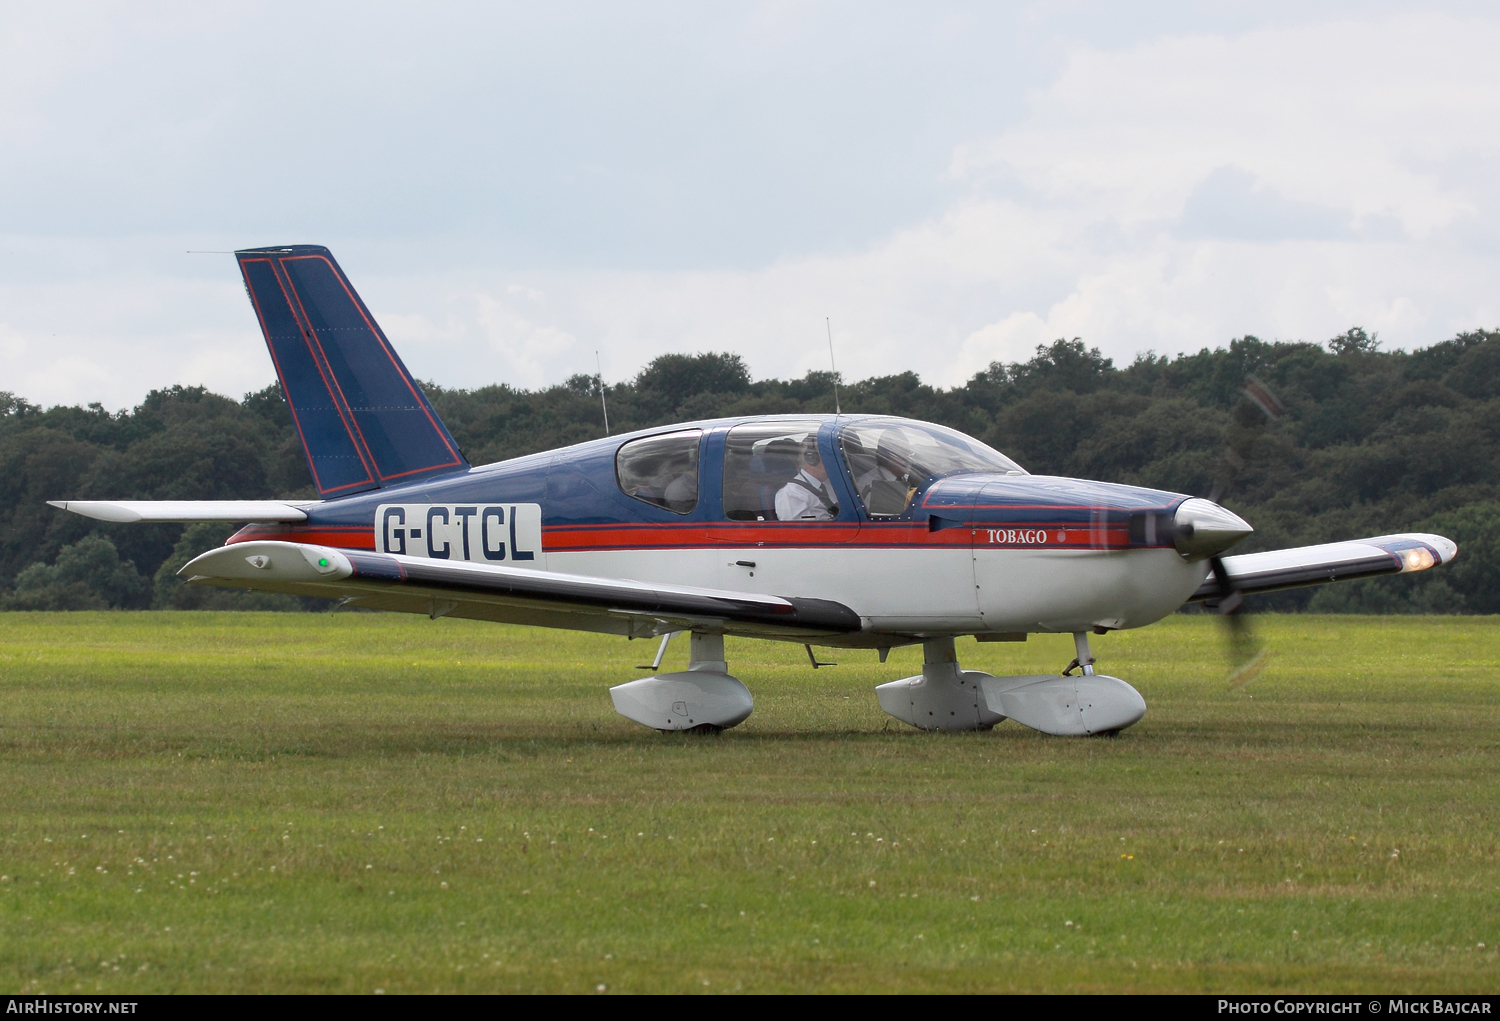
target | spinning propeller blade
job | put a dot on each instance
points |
(1247, 655)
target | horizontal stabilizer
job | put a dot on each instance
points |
(131, 511)
(517, 595)
(1334, 561)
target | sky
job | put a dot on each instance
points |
(515, 187)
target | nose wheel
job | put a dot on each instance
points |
(945, 697)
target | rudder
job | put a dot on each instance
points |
(364, 422)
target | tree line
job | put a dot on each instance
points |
(1362, 442)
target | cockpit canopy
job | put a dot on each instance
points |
(889, 460)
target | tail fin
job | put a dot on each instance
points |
(364, 422)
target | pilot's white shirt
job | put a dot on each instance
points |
(793, 503)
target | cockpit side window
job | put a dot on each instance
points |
(760, 460)
(890, 459)
(661, 470)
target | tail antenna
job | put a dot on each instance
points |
(599, 366)
(828, 324)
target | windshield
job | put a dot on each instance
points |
(890, 459)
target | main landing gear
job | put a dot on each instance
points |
(945, 697)
(706, 698)
(702, 698)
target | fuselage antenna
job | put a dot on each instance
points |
(600, 377)
(828, 323)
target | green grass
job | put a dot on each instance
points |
(353, 802)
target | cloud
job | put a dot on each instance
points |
(107, 320)
(1360, 116)
(1230, 203)
(1289, 182)
(1169, 191)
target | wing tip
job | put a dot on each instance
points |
(1417, 551)
(116, 511)
(1446, 548)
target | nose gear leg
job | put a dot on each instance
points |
(942, 697)
(1085, 658)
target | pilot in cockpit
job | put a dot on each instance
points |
(808, 497)
(891, 464)
(886, 487)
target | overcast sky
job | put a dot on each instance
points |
(512, 187)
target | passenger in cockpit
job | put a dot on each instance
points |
(808, 497)
(681, 494)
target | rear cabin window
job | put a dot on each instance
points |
(759, 459)
(661, 470)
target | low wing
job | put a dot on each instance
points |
(1334, 561)
(514, 595)
(131, 511)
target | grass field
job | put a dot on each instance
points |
(360, 802)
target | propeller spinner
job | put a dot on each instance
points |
(1204, 529)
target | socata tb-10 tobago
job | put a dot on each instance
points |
(835, 530)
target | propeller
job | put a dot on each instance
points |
(1252, 415)
(1247, 654)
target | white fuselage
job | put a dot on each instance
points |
(928, 592)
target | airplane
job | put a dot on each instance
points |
(844, 531)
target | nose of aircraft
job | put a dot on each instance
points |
(1205, 529)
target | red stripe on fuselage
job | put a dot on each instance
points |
(875, 535)
(687, 535)
(831, 535)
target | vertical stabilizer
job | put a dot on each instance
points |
(364, 422)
